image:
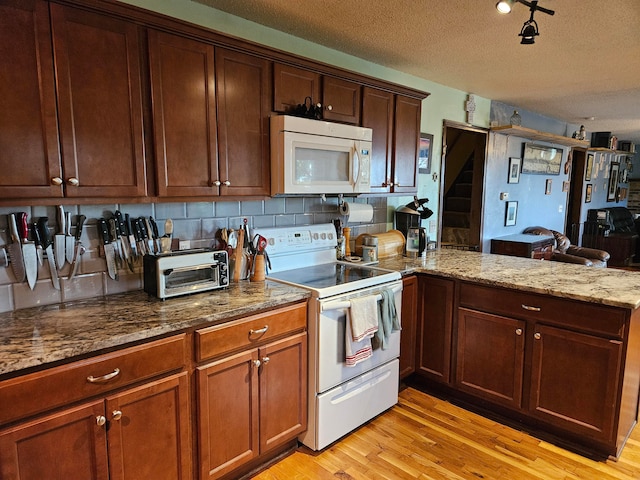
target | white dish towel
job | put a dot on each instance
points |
(361, 326)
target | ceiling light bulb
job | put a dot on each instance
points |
(504, 6)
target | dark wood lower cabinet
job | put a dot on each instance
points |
(490, 356)
(409, 326)
(140, 433)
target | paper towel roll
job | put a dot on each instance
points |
(357, 212)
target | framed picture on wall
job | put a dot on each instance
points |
(514, 169)
(589, 169)
(511, 214)
(541, 160)
(587, 193)
(424, 155)
(613, 181)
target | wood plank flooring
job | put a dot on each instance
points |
(424, 437)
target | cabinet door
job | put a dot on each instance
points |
(377, 114)
(149, 434)
(341, 100)
(292, 85)
(97, 62)
(28, 125)
(490, 356)
(408, 338)
(244, 93)
(184, 115)
(65, 445)
(228, 434)
(406, 145)
(574, 381)
(283, 391)
(435, 317)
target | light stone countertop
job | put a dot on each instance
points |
(34, 337)
(606, 286)
(41, 335)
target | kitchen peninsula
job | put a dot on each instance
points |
(553, 345)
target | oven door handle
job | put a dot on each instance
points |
(344, 304)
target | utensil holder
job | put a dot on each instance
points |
(258, 273)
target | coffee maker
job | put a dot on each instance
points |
(409, 222)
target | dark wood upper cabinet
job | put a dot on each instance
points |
(184, 115)
(29, 151)
(341, 100)
(292, 86)
(243, 85)
(378, 114)
(97, 65)
(406, 144)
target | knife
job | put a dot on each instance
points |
(132, 239)
(60, 238)
(15, 250)
(109, 254)
(137, 232)
(115, 240)
(38, 241)
(47, 244)
(155, 235)
(69, 240)
(29, 253)
(149, 231)
(78, 248)
(122, 232)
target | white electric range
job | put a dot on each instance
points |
(341, 397)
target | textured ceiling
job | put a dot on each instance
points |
(585, 63)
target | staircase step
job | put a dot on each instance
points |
(455, 219)
(455, 236)
(458, 204)
(462, 190)
(466, 176)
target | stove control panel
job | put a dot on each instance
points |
(289, 240)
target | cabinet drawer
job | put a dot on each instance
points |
(587, 317)
(58, 386)
(247, 332)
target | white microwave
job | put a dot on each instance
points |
(318, 157)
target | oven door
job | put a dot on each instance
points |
(328, 347)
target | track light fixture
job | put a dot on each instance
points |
(530, 28)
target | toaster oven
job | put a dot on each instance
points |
(187, 271)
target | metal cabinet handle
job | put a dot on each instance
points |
(101, 420)
(259, 331)
(256, 363)
(226, 183)
(217, 183)
(116, 415)
(103, 378)
(530, 308)
(56, 181)
(265, 360)
(518, 331)
(537, 336)
(329, 107)
(73, 181)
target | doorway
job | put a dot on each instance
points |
(464, 150)
(574, 199)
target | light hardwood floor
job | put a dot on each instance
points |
(425, 437)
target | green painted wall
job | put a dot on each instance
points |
(444, 103)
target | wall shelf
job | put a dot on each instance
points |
(531, 134)
(608, 150)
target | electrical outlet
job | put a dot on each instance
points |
(184, 245)
(432, 226)
(560, 208)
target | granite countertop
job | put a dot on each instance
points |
(606, 286)
(40, 335)
(37, 336)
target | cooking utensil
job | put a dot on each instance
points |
(47, 244)
(115, 241)
(131, 236)
(155, 235)
(69, 241)
(239, 256)
(15, 250)
(165, 241)
(121, 229)
(36, 237)
(79, 249)
(109, 253)
(149, 235)
(29, 253)
(60, 239)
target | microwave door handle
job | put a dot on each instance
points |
(356, 164)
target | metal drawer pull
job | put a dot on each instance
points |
(265, 360)
(518, 331)
(537, 336)
(531, 309)
(101, 420)
(260, 331)
(116, 415)
(103, 378)
(256, 363)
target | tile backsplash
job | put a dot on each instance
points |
(196, 222)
